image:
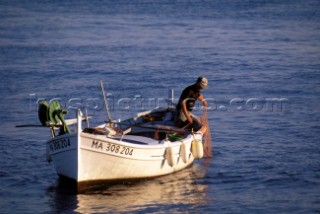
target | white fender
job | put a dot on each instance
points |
(184, 152)
(170, 156)
(197, 149)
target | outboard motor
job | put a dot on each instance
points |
(52, 115)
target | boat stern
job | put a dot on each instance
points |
(63, 152)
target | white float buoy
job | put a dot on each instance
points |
(184, 153)
(170, 156)
(197, 149)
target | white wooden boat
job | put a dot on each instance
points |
(144, 146)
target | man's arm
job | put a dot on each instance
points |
(185, 111)
(202, 100)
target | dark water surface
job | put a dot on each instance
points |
(257, 55)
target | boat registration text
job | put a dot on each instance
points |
(59, 144)
(109, 147)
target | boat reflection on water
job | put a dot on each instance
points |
(184, 188)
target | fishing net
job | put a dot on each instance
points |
(207, 145)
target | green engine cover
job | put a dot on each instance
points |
(54, 114)
(54, 111)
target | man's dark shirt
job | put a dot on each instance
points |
(191, 93)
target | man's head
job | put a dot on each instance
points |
(202, 82)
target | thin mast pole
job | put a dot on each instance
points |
(105, 102)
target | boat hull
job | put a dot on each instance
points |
(62, 151)
(89, 160)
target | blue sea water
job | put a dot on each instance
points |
(262, 60)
